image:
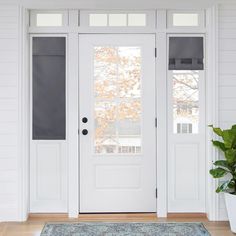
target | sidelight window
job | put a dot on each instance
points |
(186, 61)
(49, 88)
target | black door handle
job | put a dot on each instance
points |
(84, 131)
(84, 119)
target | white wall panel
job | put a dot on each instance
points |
(7, 152)
(227, 75)
(9, 109)
(8, 164)
(8, 104)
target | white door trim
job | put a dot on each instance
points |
(212, 108)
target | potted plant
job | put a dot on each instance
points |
(226, 169)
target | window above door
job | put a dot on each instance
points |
(48, 18)
(185, 19)
(114, 19)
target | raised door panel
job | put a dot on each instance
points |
(48, 174)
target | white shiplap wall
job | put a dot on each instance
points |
(9, 112)
(227, 74)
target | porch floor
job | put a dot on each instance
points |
(35, 223)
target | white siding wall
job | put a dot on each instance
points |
(9, 112)
(227, 74)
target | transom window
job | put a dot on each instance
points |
(117, 19)
(48, 18)
(186, 19)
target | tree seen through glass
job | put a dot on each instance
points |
(117, 91)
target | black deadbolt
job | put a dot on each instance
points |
(84, 119)
(84, 131)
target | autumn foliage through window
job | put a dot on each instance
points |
(117, 93)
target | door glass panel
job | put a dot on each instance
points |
(186, 101)
(117, 93)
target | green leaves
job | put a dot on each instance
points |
(218, 172)
(222, 163)
(228, 136)
(230, 156)
(226, 167)
(219, 145)
(223, 187)
(218, 131)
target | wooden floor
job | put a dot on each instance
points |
(35, 223)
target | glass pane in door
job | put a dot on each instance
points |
(185, 101)
(117, 95)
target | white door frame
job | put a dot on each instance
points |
(161, 36)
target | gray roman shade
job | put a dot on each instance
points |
(49, 88)
(186, 53)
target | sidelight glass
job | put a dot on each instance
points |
(117, 95)
(49, 88)
(185, 101)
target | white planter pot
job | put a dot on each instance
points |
(230, 201)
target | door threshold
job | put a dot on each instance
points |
(118, 217)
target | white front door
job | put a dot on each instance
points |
(117, 123)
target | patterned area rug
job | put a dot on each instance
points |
(124, 229)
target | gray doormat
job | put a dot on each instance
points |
(124, 229)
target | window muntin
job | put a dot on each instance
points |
(117, 94)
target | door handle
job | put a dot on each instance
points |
(84, 119)
(84, 131)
